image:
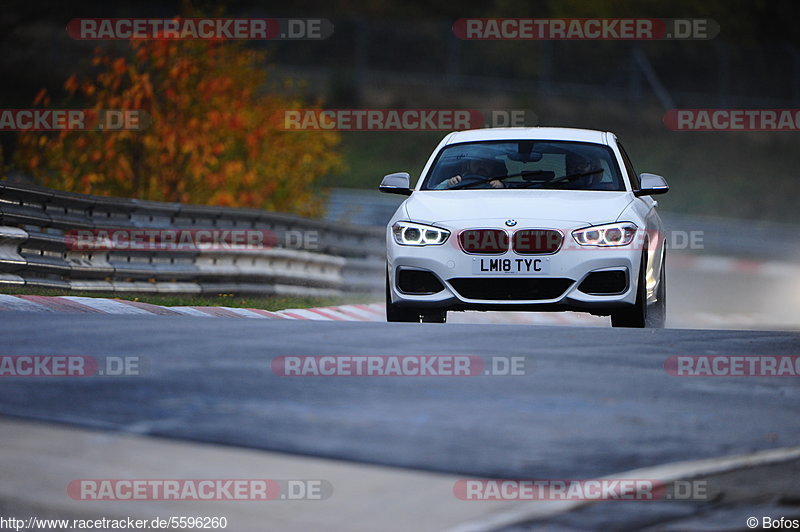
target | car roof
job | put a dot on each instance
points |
(532, 133)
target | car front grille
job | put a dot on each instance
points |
(523, 242)
(484, 241)
(510, 289)
(537, 241)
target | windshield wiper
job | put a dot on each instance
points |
(480, 180)
(473, 180)
(568, 177)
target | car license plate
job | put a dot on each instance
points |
(511, 265)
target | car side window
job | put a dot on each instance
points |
(629, 168)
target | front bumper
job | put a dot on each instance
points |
(572, 264)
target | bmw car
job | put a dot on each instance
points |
(528, 219)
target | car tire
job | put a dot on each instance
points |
(438, 316)
(411, 314)
(636, 315)
(657, 313)
(398, 314)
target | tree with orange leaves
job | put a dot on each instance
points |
(212, 137)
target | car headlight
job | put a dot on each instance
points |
(618, 234)
(411, 234)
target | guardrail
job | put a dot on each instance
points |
(36, 225)
(35, 251)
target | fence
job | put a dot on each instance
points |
(35, 250)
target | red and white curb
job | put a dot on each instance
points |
(376, 312)
(371, 312)
(96, 305)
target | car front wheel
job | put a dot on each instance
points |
(636, 315)
(657, 313)
(395, 313)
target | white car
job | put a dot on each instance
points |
(531, 219)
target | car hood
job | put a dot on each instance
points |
(573, 206)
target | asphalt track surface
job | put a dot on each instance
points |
(594, 401)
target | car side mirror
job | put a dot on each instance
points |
(398, 183)
(650, 185)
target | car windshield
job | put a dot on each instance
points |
(528, 164)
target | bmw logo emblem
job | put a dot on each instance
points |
(511, 223)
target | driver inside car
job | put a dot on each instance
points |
(478, 167)
(588, 172)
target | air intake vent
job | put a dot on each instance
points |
(605, 283)
(418, 282)
(506, 289)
